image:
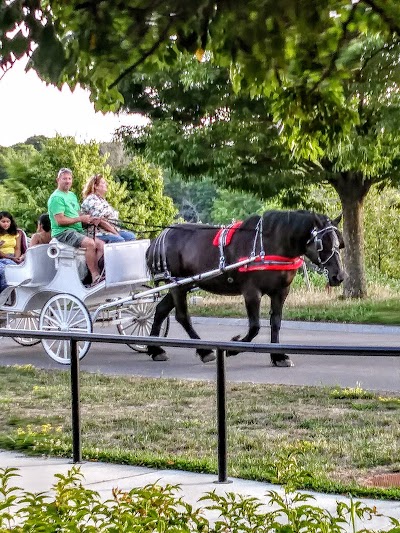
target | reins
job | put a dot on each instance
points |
(159, 256)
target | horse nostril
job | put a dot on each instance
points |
(338, 279)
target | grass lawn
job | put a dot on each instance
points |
(381, 307)
(341, 437)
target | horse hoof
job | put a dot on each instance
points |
(282, 363)
(208, 357)
(160, 357)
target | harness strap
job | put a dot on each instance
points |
(159, 262)
(223, 238)
(272, 262)
(258, 236)
(221, 246)
(316, 236)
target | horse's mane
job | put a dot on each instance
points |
(250, 222)
(288, 221)
(298, 220)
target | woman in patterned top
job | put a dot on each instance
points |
(96, 205)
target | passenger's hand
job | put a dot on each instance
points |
(86, 219)
(95, 221)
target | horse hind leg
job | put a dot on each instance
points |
(183, 318)
(163, 309)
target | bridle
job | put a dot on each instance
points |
(316, 238)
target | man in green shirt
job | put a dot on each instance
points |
(66, 223)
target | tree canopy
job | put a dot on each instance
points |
(317, 81)
(266, 44)
(200, 126)
(137, 191)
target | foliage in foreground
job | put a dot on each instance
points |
(72, 507)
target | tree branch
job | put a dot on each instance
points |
(368, 59)
(328, 71)
(392, 24)
(143, 58)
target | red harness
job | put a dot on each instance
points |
(267, 262)
(229, 234)
(272, 262)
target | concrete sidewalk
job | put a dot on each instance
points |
(37, 475)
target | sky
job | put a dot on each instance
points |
(30, 107)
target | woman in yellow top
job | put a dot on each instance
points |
(10, 244)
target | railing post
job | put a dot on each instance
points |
(221, 417)
(75, 398)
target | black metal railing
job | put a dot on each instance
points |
(221, 350)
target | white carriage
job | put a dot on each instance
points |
(46, 292)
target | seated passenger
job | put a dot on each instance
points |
(66, 223)
(95, 204)
(10, 245)
(43, 231)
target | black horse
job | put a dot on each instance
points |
(276, 240)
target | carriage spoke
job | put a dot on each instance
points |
(76, 325)
(65, 345)
(137, 319)
(58, 348)
(33, 323)
(28, 320)
(58, 312)
(73, 313)
(52, 321)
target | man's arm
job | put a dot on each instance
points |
(62, 220)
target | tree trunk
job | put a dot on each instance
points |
(352, 189)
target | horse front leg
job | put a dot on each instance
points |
(183, 318)
(163, 309)
(252, 300)
(277, 301)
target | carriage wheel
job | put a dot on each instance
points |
(137, 320)
(29, 320)
(64, 312)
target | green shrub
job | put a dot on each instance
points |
(153, 508)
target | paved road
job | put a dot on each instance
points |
(375, 373)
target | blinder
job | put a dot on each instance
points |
(316, 239)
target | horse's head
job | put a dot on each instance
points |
(323, 248)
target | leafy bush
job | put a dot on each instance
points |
(153, 508)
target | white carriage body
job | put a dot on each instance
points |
(125, 262)
(56, 268)
(46, 292)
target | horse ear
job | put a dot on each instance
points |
(337, 220)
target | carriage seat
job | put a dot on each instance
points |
(37, 269)
(24, 240)
(64, 252)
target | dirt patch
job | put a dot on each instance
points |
(384, 480)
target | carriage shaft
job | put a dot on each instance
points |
(177, 283)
